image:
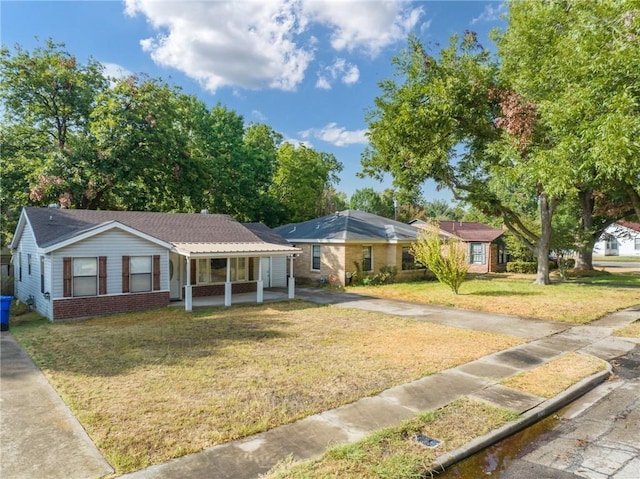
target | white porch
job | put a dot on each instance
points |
(192, 252)
(269, 295)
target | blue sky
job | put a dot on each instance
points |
(309, 69)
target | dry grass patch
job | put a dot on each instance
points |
(630, 331)
(156, 385)
(516, 295)
(552, 378)
(393, 454)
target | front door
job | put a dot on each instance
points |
(266, 272)
(175, 285)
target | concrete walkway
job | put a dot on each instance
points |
(309, 437)
(39, 437)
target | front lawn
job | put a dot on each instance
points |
(160, 384)
(576, 301)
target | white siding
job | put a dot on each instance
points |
(626, 242)
(114, 244)
(30, 284)
(278, 272)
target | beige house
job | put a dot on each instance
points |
(335, 246)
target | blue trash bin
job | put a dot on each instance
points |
(5, 307)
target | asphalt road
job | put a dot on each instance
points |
(596, 437)
(616, 265)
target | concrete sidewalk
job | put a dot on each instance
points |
(40, 438)
(309, 437)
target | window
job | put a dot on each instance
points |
(408, 260)
(315, 257)
(637, 244)
(477, 253)
(502, 254)
(85, 277)
(612, 243)
(139, 274)
(20, 266)
(238, 269)
(367, 264)
(41, 274)
(29, 264)
(212, 270)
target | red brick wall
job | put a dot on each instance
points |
(218, 289)
(69, 308)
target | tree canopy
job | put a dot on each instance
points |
(553, 115)
(74, 137)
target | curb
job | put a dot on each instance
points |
(530, 417)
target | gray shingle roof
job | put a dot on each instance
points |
(51, 225)
(265, 233)
(348, 225)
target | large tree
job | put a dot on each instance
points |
(47, 97)
(453, 120)
(578, 62)
(302, 176)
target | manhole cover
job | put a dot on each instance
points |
(426, 441)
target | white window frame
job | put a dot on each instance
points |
(313, 256)
(636, 244)
(137, 272)
(77, 270)
(477, 257)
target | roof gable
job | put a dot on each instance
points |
(348, 225)
(630, 225)
(52, 226)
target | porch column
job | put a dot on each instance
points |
(260, 285)
(227, 285)
(292, 280)
(188, 304)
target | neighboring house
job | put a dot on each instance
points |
(335, 246)
(80, 263)
(619, 239)
(486, 251)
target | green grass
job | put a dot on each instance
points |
(613, 280)
(392, 453)
(156, 385)
(576, 301)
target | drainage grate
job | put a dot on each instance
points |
(426, 441)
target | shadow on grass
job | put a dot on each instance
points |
(498, 294)
(112, 345)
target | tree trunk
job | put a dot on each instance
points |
(586, 239)
(584, 259)
(542, 247)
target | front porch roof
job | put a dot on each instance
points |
(194, 250)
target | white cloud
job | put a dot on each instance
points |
(364, 25)
(113, 70)
(258, 115)
(265, 44)
(346, 72)
(491, 12)
(336, 135)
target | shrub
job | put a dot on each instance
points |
(6, 285)
(446, 258)
(525, 267)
